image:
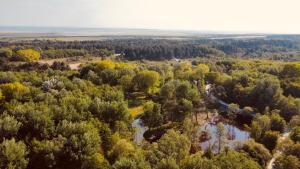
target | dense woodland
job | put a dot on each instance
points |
(283, 47)
(54, 117)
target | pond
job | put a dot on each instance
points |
(233, 135)
(137, 124)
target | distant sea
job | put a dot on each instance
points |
(89, 31)
(34, 32)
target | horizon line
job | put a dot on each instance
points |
(148, 29)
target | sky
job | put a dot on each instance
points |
(240, 16)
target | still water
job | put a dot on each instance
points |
(137, 124)
(233, 135)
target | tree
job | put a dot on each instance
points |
(295, 121)
(134, 160)
(232, 159)
(1, 96)
(220, 135)
(167, 91)
(104, 64)
(287, 162)
(126, 82)
(121, 149)
(152, 114)
(109, 111)
(9, 126)
(13, 154)
(83, 142)
(110, 76)
(171, 145)
(168, 163)
(293, 149)
(267, 92)
(257, 151)
(259, 126)
(290, 107)
(147, 81)
(6, 53)
(277, 122)
(182, 90)
(295, 134)
(196, 161)
(191, 131)
(28, 54)
(46, 153)
(233, 110)
(97, 161)
(291, 70)
(270, 139)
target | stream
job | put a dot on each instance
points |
(137, 124)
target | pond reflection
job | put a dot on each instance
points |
(233, 135)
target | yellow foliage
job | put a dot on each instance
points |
(29, 54)
(121, 148)
(105, 64)
(135, 111)
(122, 65)
(13, 89)
(204, 68)
(1, 95)
(183, 70)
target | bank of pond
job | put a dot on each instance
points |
(207, 133)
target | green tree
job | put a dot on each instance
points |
(121, 149)
(269, 140)
(267, 93)
(6, 53)
(259, 126)
(97, 161)
(9, 126)
(46, 153)
(232, 159)
(152, 115)
(220, 135)
(295, 134)
(291, 70)
(13, 154)
(126, 82)
(168, 163)
(277, 122)
(82, 143)
(109, 112)
(257, 151)
(196, 161)
(167, 91)
(171, 145)
(134, 160)
(295, 121)
(147, 81)
(287, 162)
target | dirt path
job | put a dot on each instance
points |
(277, 153)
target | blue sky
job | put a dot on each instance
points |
(266, 16)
